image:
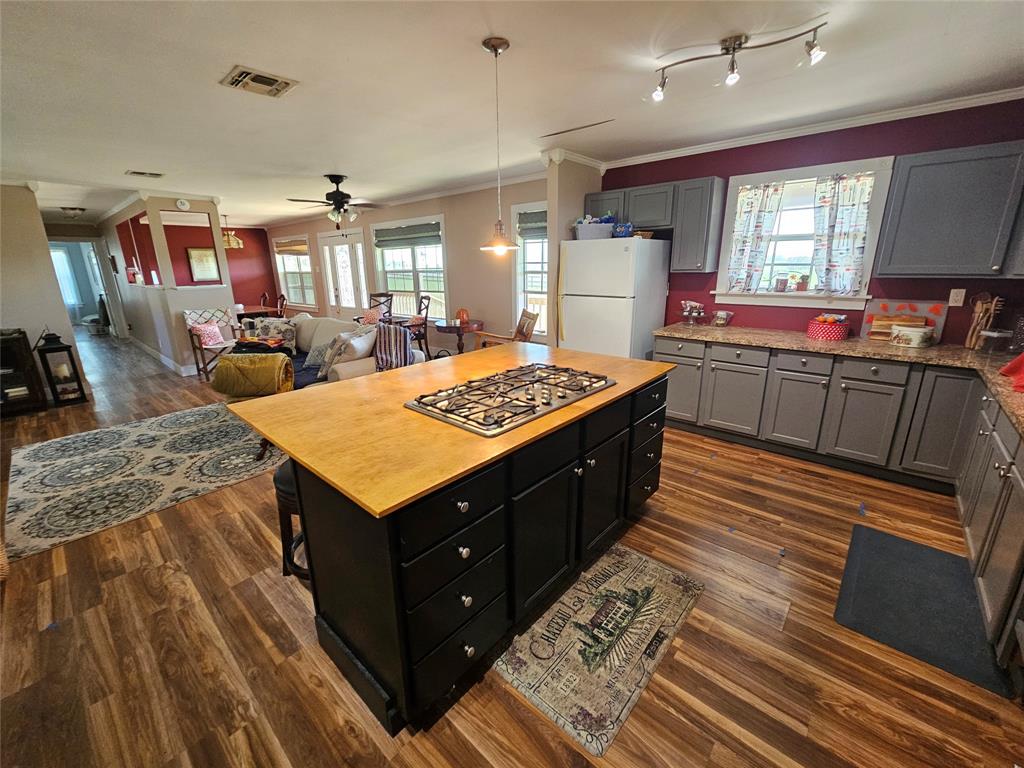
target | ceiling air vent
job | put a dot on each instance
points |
(144, 174)
(263, 83)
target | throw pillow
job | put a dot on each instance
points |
(316, 356)
(346, 346)
(209, 334)
(277, 328)
(371, 317)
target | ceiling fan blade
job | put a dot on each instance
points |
(360, 203)
(303, 200)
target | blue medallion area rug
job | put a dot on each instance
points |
(72, 486)
(586, 661)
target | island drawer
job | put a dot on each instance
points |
(455, 604)
(427, 573)
(540, 459)
(887, 371)
(645, 457)
(650, 398)
(647, 427)
(728, 353)
(426, 522)
(804, 362)
(641, 490)
(440, 670)
(679, 347)
(606, 423)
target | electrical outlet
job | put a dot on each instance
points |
(956, 297)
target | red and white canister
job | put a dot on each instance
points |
(828, 331)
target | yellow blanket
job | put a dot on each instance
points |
(253, 375)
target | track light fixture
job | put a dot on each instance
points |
(730, 46)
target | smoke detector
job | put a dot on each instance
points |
(254, 81)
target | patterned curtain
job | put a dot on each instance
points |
(756, 208)
(840, 231)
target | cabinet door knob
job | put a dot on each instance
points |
(591, 463)
(656, 396)
(579, 471)
(462, 506)
(1002, 472)
(467, 600)
(652, 424)
(650, 455)
(714, 367)
(739, 353)
(699, 366)
(874, 369)
(824, 383)
(464, 552)
(679, 346)
(469, 650)
(984, 398)
(995, 267)
(803, 361)
(648, 488)
(983, 433)
(996, 465)
(842, 386)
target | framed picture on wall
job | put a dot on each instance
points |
(202, 262)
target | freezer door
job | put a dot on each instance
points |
(597, 324)
(598, 267)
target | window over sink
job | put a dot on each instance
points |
(803, 236)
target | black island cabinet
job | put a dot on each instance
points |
(410, 604)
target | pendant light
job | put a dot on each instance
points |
(231, 240)
(499, 245)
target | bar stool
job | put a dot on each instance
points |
(287, 509)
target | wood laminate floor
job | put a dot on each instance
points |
(173, 640)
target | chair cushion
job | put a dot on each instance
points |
(277, 328)
(209, 334)
(371, 316)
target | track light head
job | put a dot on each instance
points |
(814, 51)
(734, 72)
(659, 93)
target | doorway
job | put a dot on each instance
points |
(87, 286)
(344, 273)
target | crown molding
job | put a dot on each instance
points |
(948, 105)
(558, 155)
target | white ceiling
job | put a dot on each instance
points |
(399, 96)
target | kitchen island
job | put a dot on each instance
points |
(429, 544)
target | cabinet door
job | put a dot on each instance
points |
(650, 206)
(951, 212)
(940, 430)
(683, 387)
(604, 492)
(602, 203)
(967, 485)
(860, 420)
(698, 224)
(793, 408)
(543, 536)
(1000, 568)
(990, 487)
(731, 397)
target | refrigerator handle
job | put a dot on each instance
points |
(558, 289)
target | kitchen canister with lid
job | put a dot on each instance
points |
(911, 335)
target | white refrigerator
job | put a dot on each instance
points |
(611, 295)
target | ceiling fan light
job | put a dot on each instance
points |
(353, 215)
(71, 212)
(814, 51)
(733, 76)
(499, 245)
(659, 93)
(334, 215)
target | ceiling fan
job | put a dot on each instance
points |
(340, 202)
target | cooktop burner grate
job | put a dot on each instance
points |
(503, 401)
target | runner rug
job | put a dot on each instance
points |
(586, 661)
(70, 487)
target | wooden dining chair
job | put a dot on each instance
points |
(282, 305)
(382, 302)
(523, 332)
(417, 325)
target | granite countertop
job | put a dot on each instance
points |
(951, 355)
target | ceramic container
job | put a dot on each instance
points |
(911, 336)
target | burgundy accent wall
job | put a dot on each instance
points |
(945, 130)
(179, 240)
(252, 268)
(137, 240)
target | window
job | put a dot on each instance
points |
(294, 270)
(532, 264)
(410, 264)
(803, 237)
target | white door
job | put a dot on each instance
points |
(596, 324)
(344, 274)
(598, 267)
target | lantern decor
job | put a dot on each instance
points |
(61, 369)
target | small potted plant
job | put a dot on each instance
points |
(801, 284)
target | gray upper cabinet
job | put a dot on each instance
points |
(794, 404)
(999, 569)
(731, 397)
(683, 387)
(650, 206)
(951, 212)
(602, 203)
(698, 225)
(860, 420)
(940, 431)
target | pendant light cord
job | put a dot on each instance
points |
(497, 130)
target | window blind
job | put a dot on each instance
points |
(297, 246)
(533, 225)
(408, 237)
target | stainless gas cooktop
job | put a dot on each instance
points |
(503, 401)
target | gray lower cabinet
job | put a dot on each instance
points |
(698, 225)
(794, 404)
(999, 569)
(977, 457)
(683, 387)
(731, 397)
(602, 203)
(861, 420)
(951, 212)
(650, 206)
(995, 468)
(944, 415)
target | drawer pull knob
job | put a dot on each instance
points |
(652, 424)
(699, 366)
(803, 361)
(874, 369)
(462, 506)
(656, 396)
(591, 463)
(983, 433)
(650, 455)
(1002, 472)
(700, 263)
(469, 650)
(739, 353)
(984, 398)
(824, 383)
(467, 600)
(579, 471)
(648, 488)
(464, 552)
(842, 386)
(995, 267)
(996, 465)
(679, 346)
(714, 367)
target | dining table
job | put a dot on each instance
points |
(459, 328)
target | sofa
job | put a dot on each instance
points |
(311, 332)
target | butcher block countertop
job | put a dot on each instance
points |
(951, 355)
(359, 437)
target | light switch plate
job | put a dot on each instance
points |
(956, 297)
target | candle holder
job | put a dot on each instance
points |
(61, 369)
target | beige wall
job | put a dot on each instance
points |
(29, 293)
(70, 230)
(482, 283)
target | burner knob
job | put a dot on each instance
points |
(560, 393)
(529, 394)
